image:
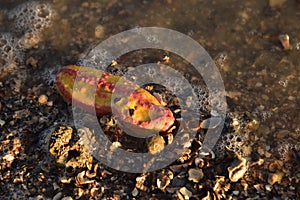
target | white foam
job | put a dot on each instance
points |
(31, 17)
(11, 51)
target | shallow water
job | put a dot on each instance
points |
(241, 36)
(258, 74)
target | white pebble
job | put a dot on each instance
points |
(2, 122)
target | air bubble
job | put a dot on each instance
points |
(28, 14)
(11, 51)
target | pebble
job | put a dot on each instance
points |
(275, 178)
(135, 192)
(268, 187)
(258, 84)
(276, 3)
(291, 98)
(265, 97)
(285, 41)
(67, 198)
(55, 186)
(2, 123)
(195, 175)
(268, 154)
(57, 196)
(32, 61)
(43, 99)
(85, 4)
(99, 31)
(236, 192)
(260, 151)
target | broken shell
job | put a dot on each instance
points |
(164, 179)
(184, 194)
(81, 180)
(65, 180)
(186, 155)
(285, 41)
(94, 192)
(237, 171)
(90, 174)
(170, 138)
(199, 162)
(195, 175)
(80, 192)
(276, 165)
(211, 123)
(220, 187)
(140, 183)
(166, 59)
(163, 182)
(208, 196)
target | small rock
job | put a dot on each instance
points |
(135, 192)
(195, 175)
(67, 198)
(268, 154)
(275, 166)
(260, 151)
(39, 197)
(50, 103)
(99, 31)
(2, 123)
(285, 41)
(291, 98)
(276, 3)
(85, 4)
(236, 192)
(32, 61)
(258, 84)
(265, 97)
(57, 196)
(55, 186)
(43, 99)
(268, 187)
(275, 177)
(178, 182)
